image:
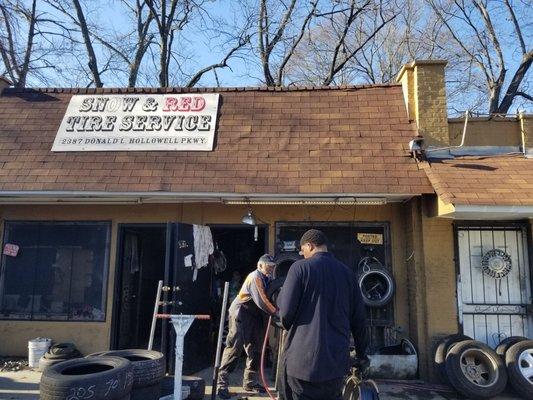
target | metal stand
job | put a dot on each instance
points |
(219, 341)
(154, 318)
(181, 324)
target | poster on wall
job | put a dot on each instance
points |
(156, 122)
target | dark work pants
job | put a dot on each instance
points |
(246, 332)
(328, 390)
(292, 388)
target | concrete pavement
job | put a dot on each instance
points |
(24, 385)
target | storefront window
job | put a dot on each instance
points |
(58, 273)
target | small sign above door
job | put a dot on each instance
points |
(370, 238)
(158, 122)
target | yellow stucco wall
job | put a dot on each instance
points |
(484, 132)
(91, 337)
(440, 282)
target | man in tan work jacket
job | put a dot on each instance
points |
(247, 328)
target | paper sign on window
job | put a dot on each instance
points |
(11, 250)
(370, 238)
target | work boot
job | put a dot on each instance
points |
(253, 388)
(223, 393)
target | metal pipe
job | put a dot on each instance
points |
(154, 317)
(219, 341)
(467, 114)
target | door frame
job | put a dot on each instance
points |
(119, 267)
(458, 225)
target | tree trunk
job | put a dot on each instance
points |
(163, 74)
(93, 64)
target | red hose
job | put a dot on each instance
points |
(262, 369)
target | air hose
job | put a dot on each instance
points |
(262, 367)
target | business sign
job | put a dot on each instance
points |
(184, 122)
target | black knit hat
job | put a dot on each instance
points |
(315, 237)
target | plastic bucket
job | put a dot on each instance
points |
(36, 349)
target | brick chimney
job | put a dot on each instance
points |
(4, 82)
(425, 96)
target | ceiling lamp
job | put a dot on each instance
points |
(249, 218)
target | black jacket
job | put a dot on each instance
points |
(320, 304)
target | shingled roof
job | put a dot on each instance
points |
(300, 140)
(501, 180)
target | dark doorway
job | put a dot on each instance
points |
(142, 265)
(242, 250)
(149, 253)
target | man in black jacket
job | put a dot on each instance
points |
(320, 304)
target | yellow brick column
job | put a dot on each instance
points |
(526, 133)
(425, 95)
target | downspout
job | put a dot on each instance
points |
(522, 132)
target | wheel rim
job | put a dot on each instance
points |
(478, 368)
(525, 363)
(375, 286)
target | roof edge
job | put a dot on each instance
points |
(164, 90)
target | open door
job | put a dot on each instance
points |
(189, 292)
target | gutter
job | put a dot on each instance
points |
(96, 197)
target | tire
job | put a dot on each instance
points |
(62, 351)
(368, 391)
(283, 263)
(376, 279)
(272, 293)
(440, 354)
(46, 362)
(518, 357)
(274, 288)
(195, 384)
(148, 365)
(103, 377)
(475, 370)
(506, 343)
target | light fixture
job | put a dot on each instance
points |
(249, 218)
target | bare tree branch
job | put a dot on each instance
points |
(222, 64)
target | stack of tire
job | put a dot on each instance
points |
(478, 372)
(110, 375)
(148, 371)
(58, 353)
(109, 378)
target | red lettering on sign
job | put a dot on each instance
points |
(184, 103)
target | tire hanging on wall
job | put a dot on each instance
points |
(442, 349)
(377, 287)
(475, 370)
(519, 362)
